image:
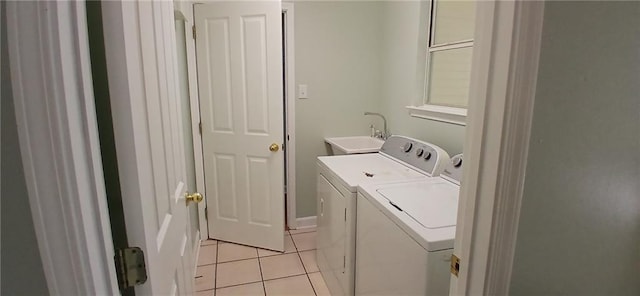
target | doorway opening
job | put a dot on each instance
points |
(288, 84)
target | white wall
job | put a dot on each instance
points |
(338, 57)
(358, 56)
(404, 49)
(21, 267)
(579, 230)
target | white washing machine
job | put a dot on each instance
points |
(405, 234)
(399, 159)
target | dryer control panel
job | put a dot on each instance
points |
(421, 155)
(453, 171)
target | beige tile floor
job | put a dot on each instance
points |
(231, 269)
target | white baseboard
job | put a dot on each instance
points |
(306, 222)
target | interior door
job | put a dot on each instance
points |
(239, 56)
(189, 139)
(140, 47)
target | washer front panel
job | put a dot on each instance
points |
(391, 262)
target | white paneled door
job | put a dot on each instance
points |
(140, 46)
(239, 56)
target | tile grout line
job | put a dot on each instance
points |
(280, 278)
(215, 279)
(198, 259)
(203, 265)
(297, 251)
(303, 267)
(248, 258)
(264, 286)
(236, 260)
(284, 277)
(252, 282)
(207, 290)
(236, 285)
(307, 274)
(264, 289)
(258, 252)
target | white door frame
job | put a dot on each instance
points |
(290, 113)
(505, 66)
(60, 149)
(58, 132)
(185, 8)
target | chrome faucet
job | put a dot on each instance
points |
(385, 132)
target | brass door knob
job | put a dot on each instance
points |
(193, 197)
(274, 147)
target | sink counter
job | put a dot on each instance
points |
(354, 145)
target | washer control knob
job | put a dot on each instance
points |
(419, 152)
(408, 146)
(427, 155)
(457, 162)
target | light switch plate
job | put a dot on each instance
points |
(303, 91)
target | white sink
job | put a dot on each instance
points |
(354, 145)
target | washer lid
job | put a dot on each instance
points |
(433, 205)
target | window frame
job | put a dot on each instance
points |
(438, 112)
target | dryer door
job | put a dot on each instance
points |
(331, 235)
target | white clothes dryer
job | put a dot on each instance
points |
(405, 234)
(399, 159)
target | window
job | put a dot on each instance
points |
(448, 68)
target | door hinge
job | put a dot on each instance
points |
(130, 267)
(455, 265)
(345, 214)
(344, 263)
(200, 127)
(193, 30)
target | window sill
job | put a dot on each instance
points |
(446, 114)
